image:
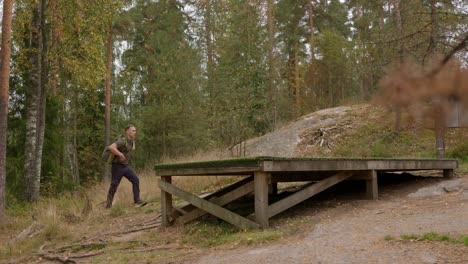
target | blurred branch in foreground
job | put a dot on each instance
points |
(427, 92)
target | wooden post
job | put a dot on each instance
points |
(261, 198)
(166, 203)
(273, 188)
(371, 185)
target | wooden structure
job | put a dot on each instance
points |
(261, 175)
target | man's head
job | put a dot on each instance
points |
(130, 131)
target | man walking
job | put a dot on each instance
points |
(120, 152)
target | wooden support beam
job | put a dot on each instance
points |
(189, 207)
(209, 207)
(372, 190)
(166, 201)
(306, 193)
(261, 198)
(243, 189)
(301, 176)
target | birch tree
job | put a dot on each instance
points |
(35, 114)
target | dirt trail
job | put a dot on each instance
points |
(353, 231)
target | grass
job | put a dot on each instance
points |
(117, 211)
(433, 237)
(209, 234)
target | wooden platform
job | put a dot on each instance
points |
(261, 177)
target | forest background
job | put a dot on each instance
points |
(193, 75)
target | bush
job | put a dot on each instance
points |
(460, 152)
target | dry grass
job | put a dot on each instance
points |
(62, 222)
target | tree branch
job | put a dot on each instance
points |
(402, 38)
(447, 57)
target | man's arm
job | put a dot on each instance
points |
(116, 152)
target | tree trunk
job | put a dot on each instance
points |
(210, 54)
(71, 151)
(401, 54)
(271, 66)
(434, 23)
(34, 114)
(297, 80)
(4, 94)
(439, 127)
(311, 29)
(108, 95)
(43, 94)
(439, 116)
(74, 150)
(55, 40)
(362, 75)
(399, 25)
(290, 74)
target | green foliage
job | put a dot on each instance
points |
(74, 60)
(239, 110)
(432, 236)
(460, 151)
(168, 107)
(181, 103)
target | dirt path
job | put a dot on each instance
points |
(353, 231)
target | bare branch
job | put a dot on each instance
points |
(421, 30)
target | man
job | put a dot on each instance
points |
(120, 154)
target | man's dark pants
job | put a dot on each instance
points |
(119, 171)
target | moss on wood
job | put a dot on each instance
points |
(255, 162)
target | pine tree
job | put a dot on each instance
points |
(4, 94)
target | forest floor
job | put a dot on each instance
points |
(345, 229)
(417, 219)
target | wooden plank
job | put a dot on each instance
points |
(209, 207)
(244, 170)
(371, 185)
(241, 190)
(302, 165)
(306, 193)
(166, 201)
(261, 198)
(356, 164)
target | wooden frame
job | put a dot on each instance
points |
(260, 176)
